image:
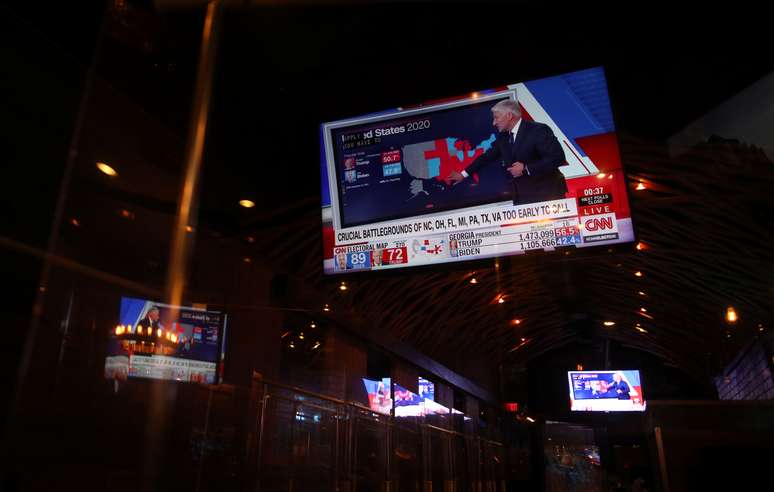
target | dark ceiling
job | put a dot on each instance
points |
(282, 71)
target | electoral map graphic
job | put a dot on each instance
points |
(438, 158)
(397, 167)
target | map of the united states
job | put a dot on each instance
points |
(438, 158)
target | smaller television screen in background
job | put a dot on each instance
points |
(159, 341)
(379, 399)
(606, 391)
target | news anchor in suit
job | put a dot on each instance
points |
(620, 387)
(151, 319)
(528, 151)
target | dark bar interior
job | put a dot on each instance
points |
(219, 277)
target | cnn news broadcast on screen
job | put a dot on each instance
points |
(523, 167)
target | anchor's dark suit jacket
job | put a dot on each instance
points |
(537, 147)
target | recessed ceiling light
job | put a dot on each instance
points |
(106, 169)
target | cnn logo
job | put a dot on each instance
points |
(597, 224)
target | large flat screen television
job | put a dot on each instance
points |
(526, 166)
(606, 391)
(159, 341)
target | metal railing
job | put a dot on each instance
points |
(309, 441)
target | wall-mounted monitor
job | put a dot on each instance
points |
(526, 166)
(159, 341)
(426, 389)
(606, 391)
(379, 395)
